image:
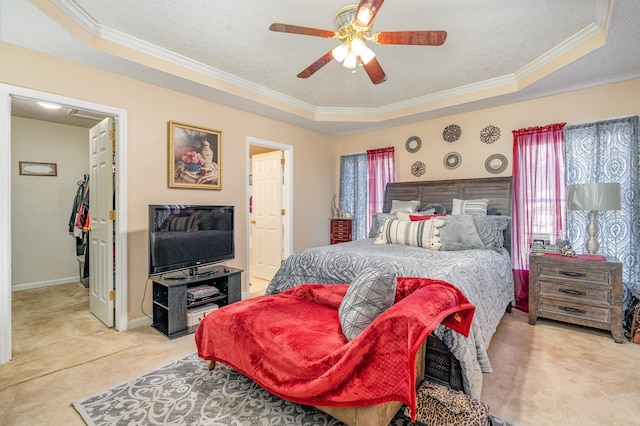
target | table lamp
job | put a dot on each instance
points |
(593, 197)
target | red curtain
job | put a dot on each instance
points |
(381, 168)
(538, 196)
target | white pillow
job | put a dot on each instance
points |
(470, 207)
(404, 206)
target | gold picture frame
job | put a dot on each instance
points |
(194, 157)
(31, 168)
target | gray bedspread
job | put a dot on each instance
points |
(484, 276)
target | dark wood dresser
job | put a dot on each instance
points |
(341, 230)
(577, 291)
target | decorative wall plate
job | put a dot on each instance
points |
(418, 168)
(496, 163)
(413, 144)
(451, 133)
(452, 160)
(490, 134)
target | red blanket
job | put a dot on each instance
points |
(292, 344)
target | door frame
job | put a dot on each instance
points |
(287, 200)
(120, 115)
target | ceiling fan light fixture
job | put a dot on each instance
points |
(367, 55)
(340, 52)
(357, 46)
(350, 60)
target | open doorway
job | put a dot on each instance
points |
(7, 95)
(270, 216)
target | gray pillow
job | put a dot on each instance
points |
(404, 206)
(371, 293)
(459, 233)
(491, 230)
(377, 221)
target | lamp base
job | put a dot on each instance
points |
(592, 244)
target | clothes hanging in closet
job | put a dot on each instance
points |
(79, 222)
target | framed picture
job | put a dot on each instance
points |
(30, 168)
(194, 157)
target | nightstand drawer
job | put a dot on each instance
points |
(575, 291)
(576, 310)
(340, 225)
(568, 272)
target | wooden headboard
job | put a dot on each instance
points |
(498, 190)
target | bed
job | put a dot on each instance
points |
(484, 276)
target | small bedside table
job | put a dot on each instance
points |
(341, 230)
(577, 291)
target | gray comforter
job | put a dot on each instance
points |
(484, 276)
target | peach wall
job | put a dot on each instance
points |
(149, 108)
(600, 103)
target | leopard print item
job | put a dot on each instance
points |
(441, 406)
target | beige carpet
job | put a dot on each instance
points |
(547, 374)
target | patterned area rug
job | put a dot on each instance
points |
(184, 392)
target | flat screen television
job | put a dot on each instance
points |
(186, 237)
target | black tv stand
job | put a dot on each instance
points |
(170, 305)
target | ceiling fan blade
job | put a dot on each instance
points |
(311, 69)
(296, 29)
(366, 12)
(424, 38)
(375, 72)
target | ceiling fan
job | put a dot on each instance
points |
(353, 25)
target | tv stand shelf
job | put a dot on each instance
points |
(170, 304)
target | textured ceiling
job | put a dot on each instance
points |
(497, 51)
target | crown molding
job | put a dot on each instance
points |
(570, 49)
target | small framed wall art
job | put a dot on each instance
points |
(30, 168)
(413, 144)
(194, 157)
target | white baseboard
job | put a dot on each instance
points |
(27, 286)
(140, 322)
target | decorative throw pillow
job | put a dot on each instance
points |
(377, 221)
(426, 216)
(470, 207)
(491, 230)
(407, 216)
(404, 206)
(371, 293)
(459, 233)
(423, 233)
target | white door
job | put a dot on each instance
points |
(101, 250)
(267, 214)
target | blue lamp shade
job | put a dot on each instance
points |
(594, 196)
